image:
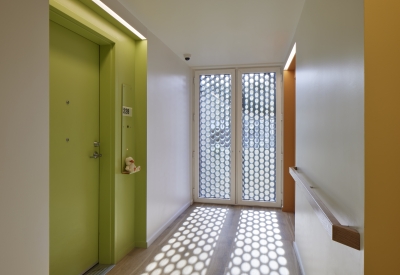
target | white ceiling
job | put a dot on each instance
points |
(222, 32)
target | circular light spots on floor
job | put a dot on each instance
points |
(255, 245)
(246, 257)
(248, 241)
(171, 241)
(255, 263)
(282, 261)
(163, 262)
(255, 254)
(169, 268)
(271, 239)
(238, 251)
(189, 249)
(181, 264)
(263, 250)
(272, 255)
(273, 265)
(247, 248)
(187, 270)
(254, 272)
(175, 258)
(197, 251)
(258, 246)
(263, 242)
(192, 260)
(203, 256)
(277, 237)
(264, 259)
(169, 253)
(151, 266)
(176, 245)
(158, 271)
(245, 267)
(158, 257)
(199, 266)
(235, 271)
(283, 271)
(237, 260)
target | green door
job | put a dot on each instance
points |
(74, 176)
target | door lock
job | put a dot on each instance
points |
(96, 155)
(96, 144)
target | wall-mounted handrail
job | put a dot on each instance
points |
(338, 232)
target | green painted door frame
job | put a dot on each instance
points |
(107, 129)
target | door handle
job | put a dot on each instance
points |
(96, 155)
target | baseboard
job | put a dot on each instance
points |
(141, 244)
(168, 223)
(296, 251)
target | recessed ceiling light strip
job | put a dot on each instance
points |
(117, 17)
(291, 56)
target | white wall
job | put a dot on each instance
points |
(24, 137)
(168, 136)
(330, 129)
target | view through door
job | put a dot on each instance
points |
(238, 137)
(74, 167)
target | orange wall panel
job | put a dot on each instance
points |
(382, 136)
(289, 139)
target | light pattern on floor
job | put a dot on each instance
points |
(195, 240)
(258, 247)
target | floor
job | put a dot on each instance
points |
(219, 240)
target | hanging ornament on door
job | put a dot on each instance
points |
(130, 166)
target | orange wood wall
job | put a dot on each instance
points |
(289, 135)
(382, 136)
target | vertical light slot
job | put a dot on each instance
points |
(118, 18)
(291, 56)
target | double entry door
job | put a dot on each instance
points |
(238, 156)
